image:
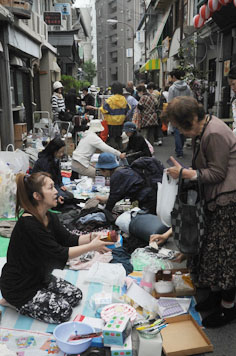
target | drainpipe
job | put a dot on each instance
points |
(219, 70)
(6, 119)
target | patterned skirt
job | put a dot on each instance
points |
(216, 264)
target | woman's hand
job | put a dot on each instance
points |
(63, 188)
(122, 155)
(174, 171)
(60, 200)
(159, 239)
(101, 199)
(99, 245)
(180, 257)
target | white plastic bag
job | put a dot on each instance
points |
(150, 146)
(18, 161)
(107, 273)
(7, 191)
(124, 219)
(166, 195)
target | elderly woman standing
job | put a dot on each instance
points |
(214, 157)
(145, 116)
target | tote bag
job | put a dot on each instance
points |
(188, 216)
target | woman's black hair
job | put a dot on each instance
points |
(53, 146)
(151, 85)
(232, 73)
(117, 88)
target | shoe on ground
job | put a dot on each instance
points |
(158, 143)
(220, 318)
(210, 303)
(179, 156)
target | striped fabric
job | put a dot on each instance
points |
(58, 104)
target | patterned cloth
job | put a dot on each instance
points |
(53, 304)
(145, 112)
(216, 265)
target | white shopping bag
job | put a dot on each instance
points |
(166, 195)
(18, 161)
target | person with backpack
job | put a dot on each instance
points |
(138, 182)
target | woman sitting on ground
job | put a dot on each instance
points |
(38, 245)
(49, 161)
(89, 143)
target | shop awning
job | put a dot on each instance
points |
(160, 29)
(55, 67)
(152, 64)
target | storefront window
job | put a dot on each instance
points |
(19, 83)
(13, 100)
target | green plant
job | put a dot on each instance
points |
(89, 69)
(70, 82)
(193, 76)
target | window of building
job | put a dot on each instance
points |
(17, 89)
(19, 83)
(128, 15)
(13, 100)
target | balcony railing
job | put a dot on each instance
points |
(20, 8)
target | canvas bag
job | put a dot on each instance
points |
(166, 195)
(188, 217)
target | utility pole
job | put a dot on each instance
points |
(145, 37)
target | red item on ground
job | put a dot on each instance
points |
(66, 174)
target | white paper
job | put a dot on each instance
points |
(142, 298)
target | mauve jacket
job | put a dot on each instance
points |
(216, 162)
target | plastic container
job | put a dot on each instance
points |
(119, 243)
(63, 331)
(164, 287)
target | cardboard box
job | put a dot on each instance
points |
(183, 336)
(20, 131)
(18, 144)
(179, 293)
(126, 349)
(114, 332)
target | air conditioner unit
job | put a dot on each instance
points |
(140, 36)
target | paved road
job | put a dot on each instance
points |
(223, 339)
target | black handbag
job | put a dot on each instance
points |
(187, 216)
(142, 225)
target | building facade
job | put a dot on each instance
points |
(116, 41)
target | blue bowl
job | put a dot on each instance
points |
(63, 331)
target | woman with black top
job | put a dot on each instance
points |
(39, 244)
(49, 161)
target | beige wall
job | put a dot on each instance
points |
(47, 78)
